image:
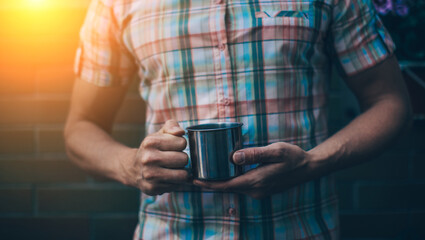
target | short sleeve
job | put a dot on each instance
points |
(101, 59)
(359, 37)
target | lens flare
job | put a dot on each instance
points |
(36, 3)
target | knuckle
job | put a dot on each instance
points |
(282, 152)
(279, 144)
(280, 149)
(150, 142)
(153, 190)
(169, 122)
(257, 153)
(150, 192)
(146, 158)
(148, 189)
(169, 125)
(150, 158)
(149, 175)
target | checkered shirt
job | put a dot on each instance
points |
(265, 63)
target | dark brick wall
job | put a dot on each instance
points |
(384, 198)
(44, 196)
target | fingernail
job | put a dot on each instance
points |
(239, 158)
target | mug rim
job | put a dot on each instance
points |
(209, 127)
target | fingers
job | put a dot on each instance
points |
(254, 155)
(174, 160)
(162, 160)
(160, 180)
(172, 127)
(170, 160)
(164, 142)
(255, 179)
(168, 138)
(164, 175)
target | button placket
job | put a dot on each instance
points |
(220, 39)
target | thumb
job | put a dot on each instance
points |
(172, 127)
(248, 156)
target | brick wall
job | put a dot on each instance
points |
(44, 196)
(384, 198)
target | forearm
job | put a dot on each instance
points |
(94, 150)
(364, 138)
(386, 112)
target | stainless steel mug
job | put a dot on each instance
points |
(211, 148)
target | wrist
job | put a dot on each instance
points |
(322, 162)
(126, 165)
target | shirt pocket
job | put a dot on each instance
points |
(292, 20)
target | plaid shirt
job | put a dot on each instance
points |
(265, 63)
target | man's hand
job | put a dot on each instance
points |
(282, 165)
(158, 165)
(385, 104)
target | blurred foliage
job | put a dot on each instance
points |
(405, 20)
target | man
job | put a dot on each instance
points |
(263, 63)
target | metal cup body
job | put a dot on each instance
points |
(211, 150)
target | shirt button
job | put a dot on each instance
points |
(226, 101)
(231, 211)
(222, 47)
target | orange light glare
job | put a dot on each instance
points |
(36, 3)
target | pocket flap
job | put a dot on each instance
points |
(281, 13)
(293, 9)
